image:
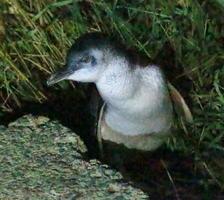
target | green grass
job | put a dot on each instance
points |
(35, 36)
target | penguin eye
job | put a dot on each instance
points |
(86, 59)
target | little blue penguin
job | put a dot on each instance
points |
(139, 102)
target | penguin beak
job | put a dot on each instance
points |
(59, 76)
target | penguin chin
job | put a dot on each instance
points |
(84, 75)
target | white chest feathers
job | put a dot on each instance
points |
(137, 100)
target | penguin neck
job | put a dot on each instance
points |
(117, 83)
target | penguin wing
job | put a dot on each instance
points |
(180, 105)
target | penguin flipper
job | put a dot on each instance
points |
(180, 104)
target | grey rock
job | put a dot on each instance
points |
(41, 159)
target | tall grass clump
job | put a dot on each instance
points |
(34, 42)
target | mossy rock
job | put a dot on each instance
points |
(41, 159)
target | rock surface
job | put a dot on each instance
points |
(41, 159)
